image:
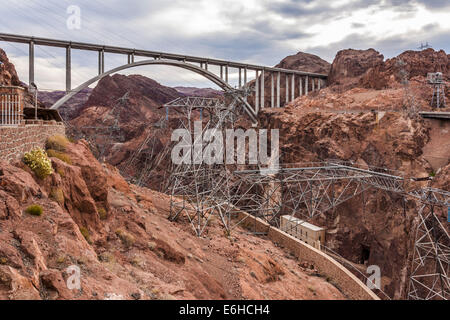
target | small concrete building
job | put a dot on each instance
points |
(304, 231)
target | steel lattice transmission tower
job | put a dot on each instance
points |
(437, 82)
(430, 271)
(198, 190)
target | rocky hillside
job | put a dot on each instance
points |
(307, 62)
(8, 74)
(71, 109)
(199, 92)
(120, 238)
(120, 116)
(338, 123)
(349, 65)
(9, 77)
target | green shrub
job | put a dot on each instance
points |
(39, 162)
(35, 210)
(102, 213)
(59, 155)
(58, 195)
(85, 232)
(58, 143)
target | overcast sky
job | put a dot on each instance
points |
(254, 31)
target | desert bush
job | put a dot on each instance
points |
(61, 172)
(58, 195)
(59, 155)
(39, 162)
(102, 213)
(58, 143)
(126, 238)
(34, 210)
(61, 259)
(85, 232)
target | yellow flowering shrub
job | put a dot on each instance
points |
(39, 162)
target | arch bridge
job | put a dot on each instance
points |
(285, 84)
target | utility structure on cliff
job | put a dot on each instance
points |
(199, 190)
(314, 190)
(436, 80)
(430, 270)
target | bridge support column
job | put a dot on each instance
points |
(68, 69)
(300, 86)
(287, 90)
(206, 65)
(262, 89)
(130, 58)
(101, 62)
(272, 92)
(306, 86)
(31, 63)
(221, 72)
(278, 89)
(257, 92)
(293, 87)
(245, 80)
(240, 78)
(226, 74)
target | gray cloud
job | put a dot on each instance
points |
(264, 35)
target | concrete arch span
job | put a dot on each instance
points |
(187, 66)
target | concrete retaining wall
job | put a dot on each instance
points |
(16, 141)
(348, 283)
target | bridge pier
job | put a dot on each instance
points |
(278, 89)
(226, 74)
(287, 89)
(293, 87)
(306, 86)
(131, 58)
(31, 63)
(101, 62)
(300, 86)
(257, 92)
(262, 89)
(68, 68)
(245, 81)
(272, 92)
(240, 78)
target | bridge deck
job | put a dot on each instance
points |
(146, 53)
